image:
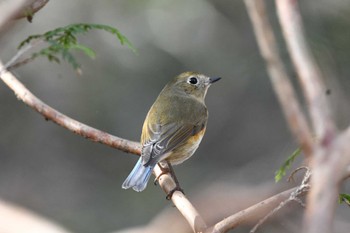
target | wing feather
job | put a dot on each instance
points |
(163, 139)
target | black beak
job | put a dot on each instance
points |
(213, 80)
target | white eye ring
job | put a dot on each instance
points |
(192, 80)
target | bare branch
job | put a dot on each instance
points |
(180, 201)
(30, 8)
(309, 74)
(294, 196)
(282, 86)
(331, 156)
(8, 9)
(49, 113)
(260, 209)
(14, 63)
(12, 215)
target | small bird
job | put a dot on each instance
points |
(173, 128)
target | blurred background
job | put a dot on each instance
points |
(77, 183)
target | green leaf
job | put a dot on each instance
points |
(61, 41)
(281, 172)
(344, 197)
(88, 51)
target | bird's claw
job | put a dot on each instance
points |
(170, 194)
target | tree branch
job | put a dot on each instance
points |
(279, 78)
(12, 215)
(331, 155)
(30, 8)
(8, 9)
(258, 210)
(308, 72)
(49, 113)
(331, 152)
(180, 201)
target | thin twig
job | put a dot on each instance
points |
(302, 189)
(282, 86)
(300, 202)
(14, 63)
(269, 215)
(291, 176)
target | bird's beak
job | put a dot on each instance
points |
(214, 79)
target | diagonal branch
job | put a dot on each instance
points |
(331, 153)
(308, 72)
(259, 209)
(331, 156)
(180, 201)
(50, 113)
(30, 8)
(8, 9)
(280, 81)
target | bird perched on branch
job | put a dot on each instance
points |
(173, 128)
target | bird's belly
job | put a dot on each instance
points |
(186, 150)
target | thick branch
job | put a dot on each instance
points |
(282, 86)
(16, 219)
(331, 156)
(309, 74)
(8, 9)
(30, 8)
(330, 168)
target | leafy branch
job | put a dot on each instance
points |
(63, 40)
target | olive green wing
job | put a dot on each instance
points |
(158, 140)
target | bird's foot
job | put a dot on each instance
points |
(170, 194)
(165, 170)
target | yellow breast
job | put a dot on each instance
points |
(186, 150)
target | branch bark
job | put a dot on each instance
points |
(278, 76)
(329, 156)
(30, 8)
(8, 10)
(309, 74)
(258, 210)
(332, 152)
(52, 114)
(12, 215)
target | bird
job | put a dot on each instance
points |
(173, 128)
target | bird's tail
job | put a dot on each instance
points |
(138, 177)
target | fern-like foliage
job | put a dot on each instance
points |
(63, 40)
(281, 172)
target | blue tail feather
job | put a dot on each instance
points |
(138, 177)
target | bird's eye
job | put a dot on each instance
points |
(193, 80)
